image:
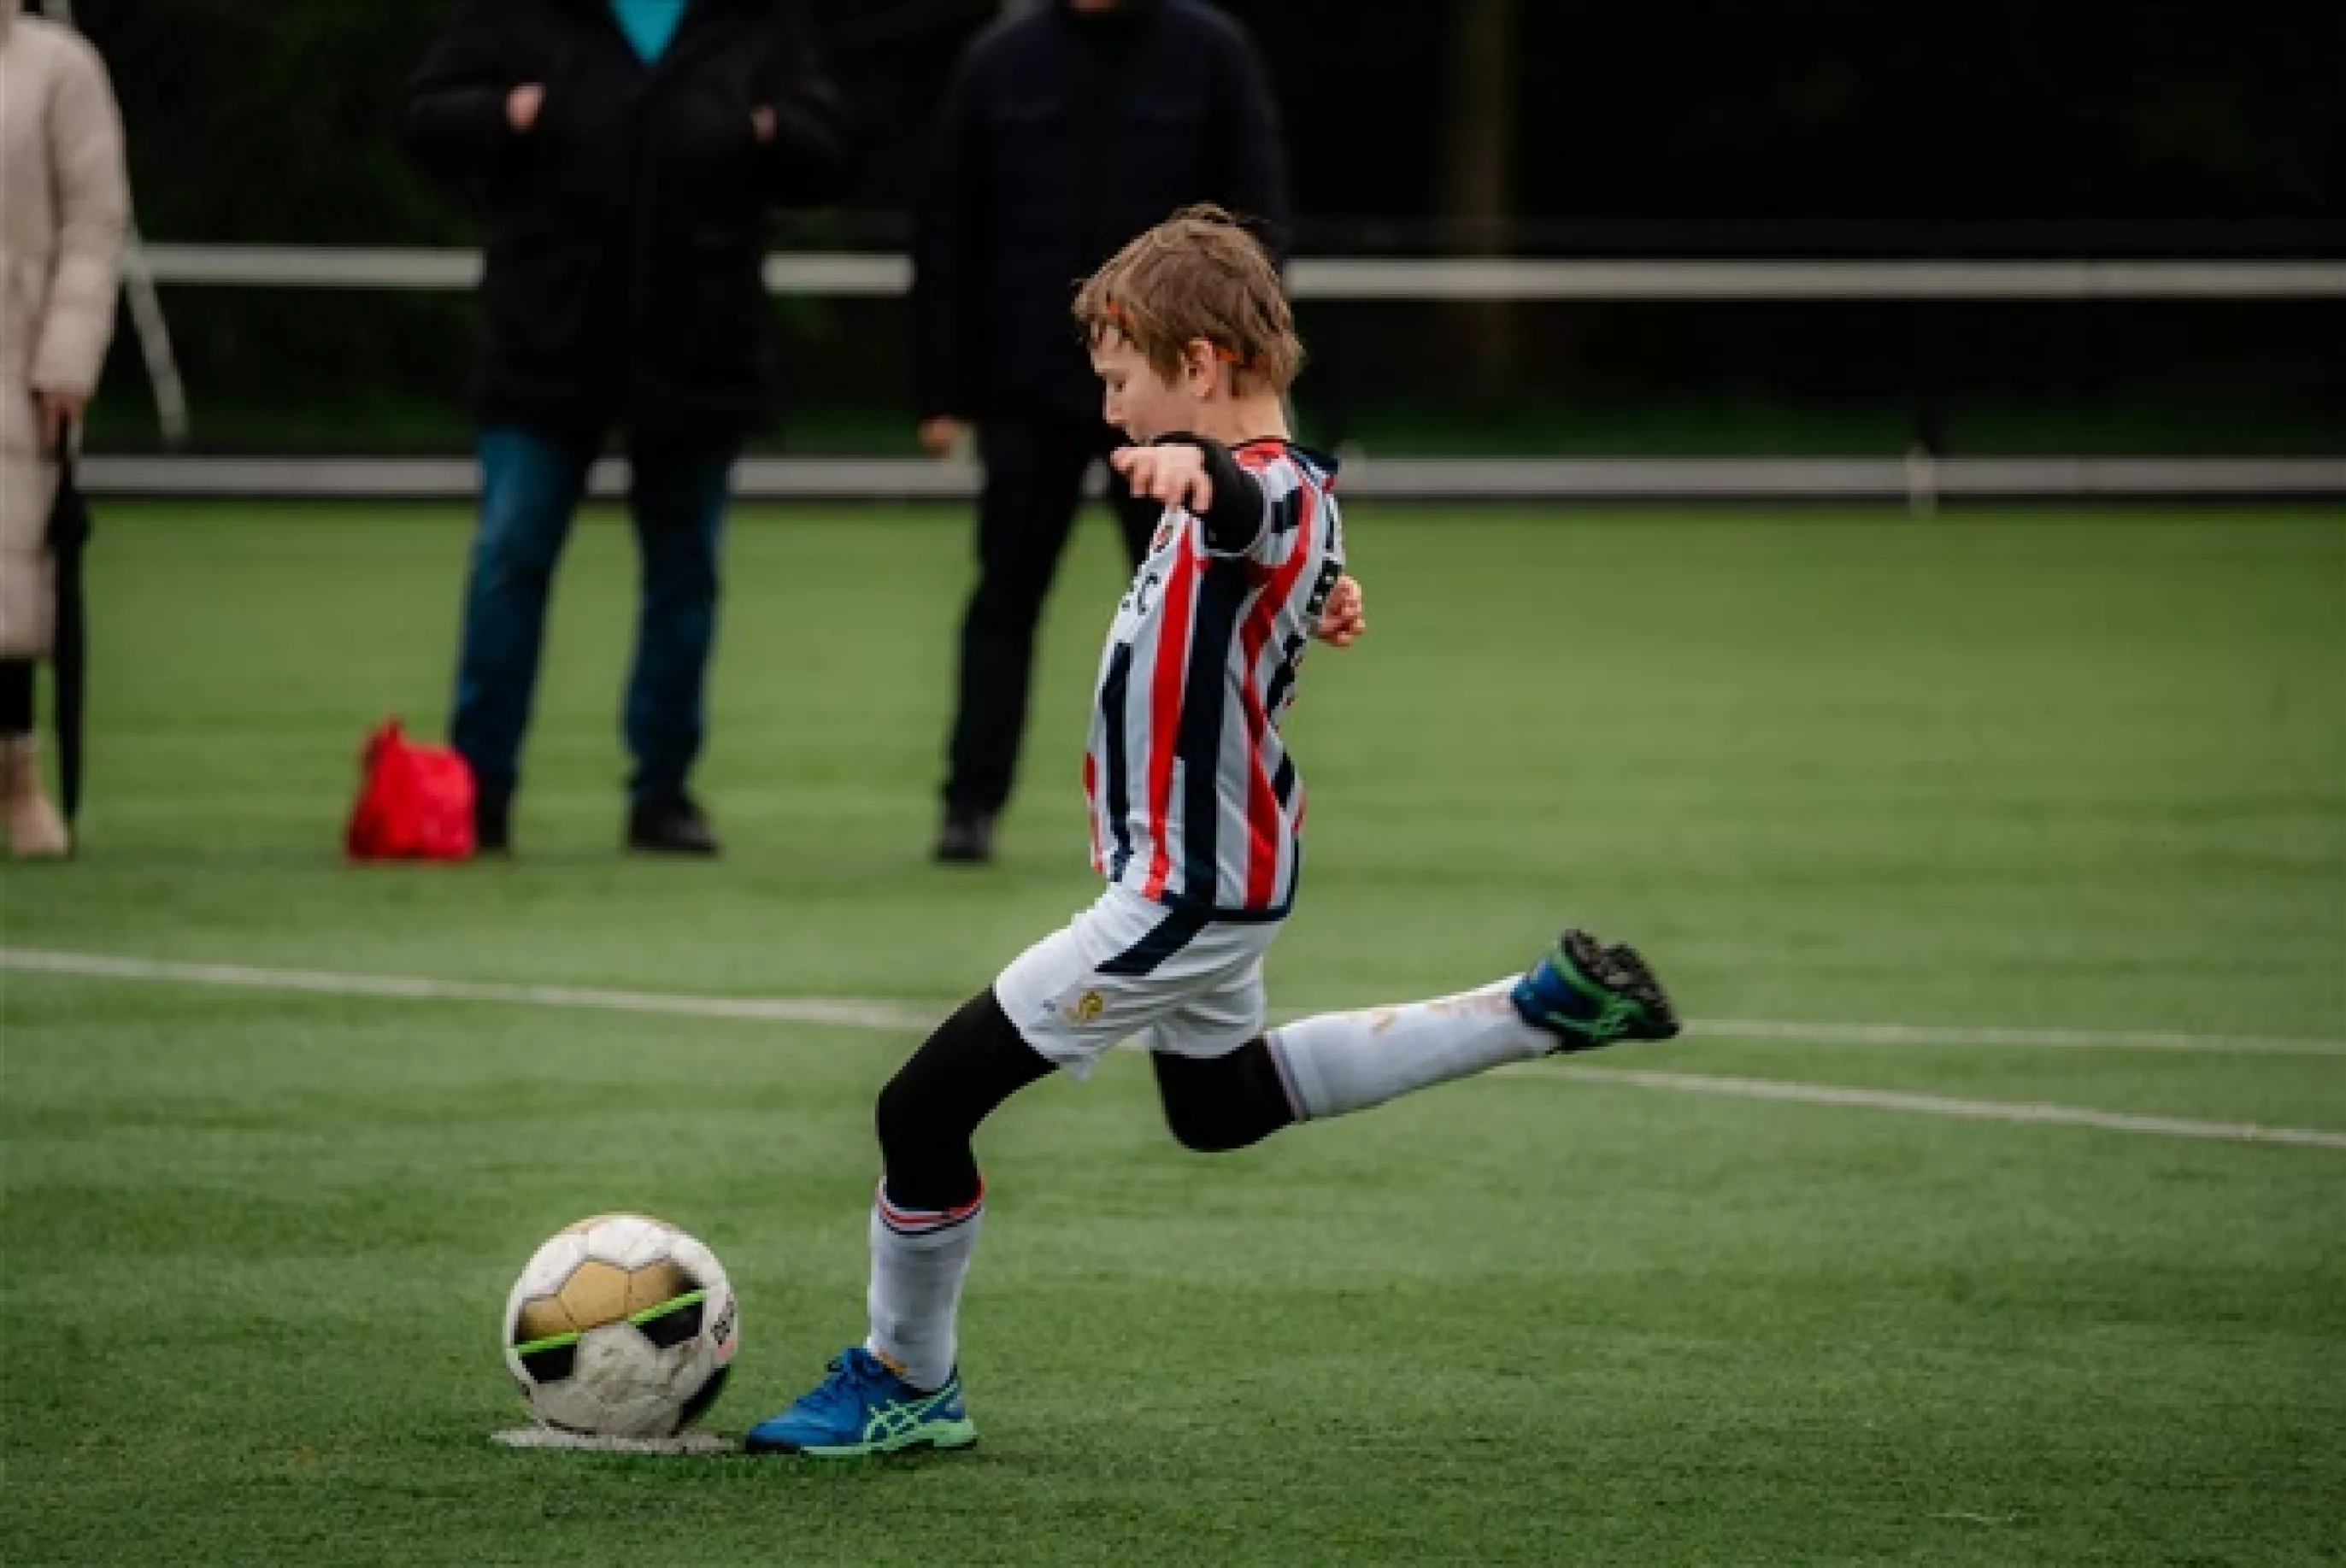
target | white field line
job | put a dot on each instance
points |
(907, 1017)
(1937, 1105)
(846, 1012)
(864, 1012)
(1908, 1035)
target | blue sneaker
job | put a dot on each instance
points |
(1588, 994)
(863, 1407)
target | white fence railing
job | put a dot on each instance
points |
(1918, 480)
(872, 275)
(1447, 479)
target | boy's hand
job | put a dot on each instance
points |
(1175, 476)
(1344, 618)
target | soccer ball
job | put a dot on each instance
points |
(622, 1326)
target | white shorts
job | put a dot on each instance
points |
(1128, 969)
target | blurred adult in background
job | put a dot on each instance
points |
(624, 156)
(65, 203)
(1069, 130)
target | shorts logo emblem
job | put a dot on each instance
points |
(1086, 1007)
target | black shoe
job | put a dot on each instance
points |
(669, 827)
(967, 837)
(1589, 993)
(492, 825)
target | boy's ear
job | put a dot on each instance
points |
(1199, 364)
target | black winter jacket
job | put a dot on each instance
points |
(1064, 135)
(626, 230)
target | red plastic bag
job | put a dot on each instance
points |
(415, 802)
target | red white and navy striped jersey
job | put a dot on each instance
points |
(1194, 802)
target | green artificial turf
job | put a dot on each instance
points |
(2028, 771)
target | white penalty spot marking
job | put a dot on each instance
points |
(689, 1442)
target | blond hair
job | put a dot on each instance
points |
(1196, 275)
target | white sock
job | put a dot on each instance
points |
(1342, 1062)
(919, 1259)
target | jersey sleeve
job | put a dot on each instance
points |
(1239, 518)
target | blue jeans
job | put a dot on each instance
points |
(531, 483)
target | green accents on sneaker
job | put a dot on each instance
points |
(864, 1408)
(934, 1422)
(1614, 1013)
(1589, 995)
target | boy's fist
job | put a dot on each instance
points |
(1343, 618)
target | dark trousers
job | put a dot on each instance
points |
(1035, 469)
(531, 484)
(17, 705)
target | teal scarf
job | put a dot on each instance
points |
(649, 25)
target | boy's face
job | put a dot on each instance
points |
(1139, 401)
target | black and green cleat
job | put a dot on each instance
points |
(1589, 993)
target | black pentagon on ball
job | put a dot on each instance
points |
(669, 1329)
(550, 1363)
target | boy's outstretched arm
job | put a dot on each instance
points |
(1202, 478)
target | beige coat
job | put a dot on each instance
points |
(65, 203)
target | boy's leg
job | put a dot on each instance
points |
(1216, 1077)
(1581, 995)
(930, 1201)
(1223, 1102)
(900, 1388)
(1124, 968)
(1342, 1061)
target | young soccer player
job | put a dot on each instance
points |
(1195, 814)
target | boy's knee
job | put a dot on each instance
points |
(1232, 1102)
(903, 1116)
(1206, 1129)
(929, 1110)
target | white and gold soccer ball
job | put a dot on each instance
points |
(621, 1327)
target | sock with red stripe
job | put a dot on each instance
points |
(1342, 1062)
(919, 1260)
